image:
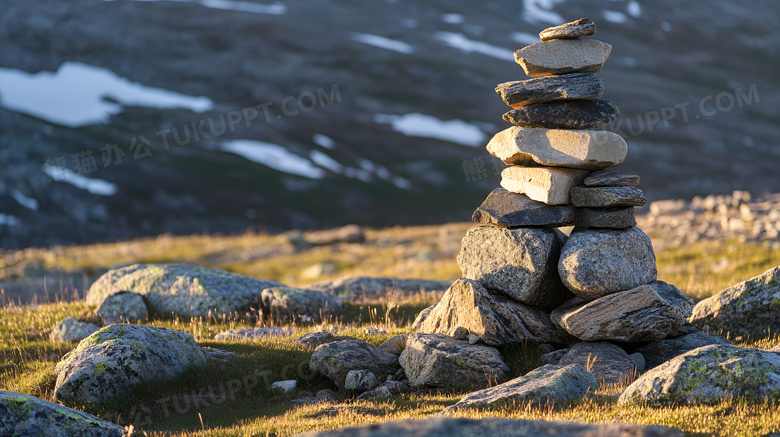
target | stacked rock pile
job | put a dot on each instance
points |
(520, 271)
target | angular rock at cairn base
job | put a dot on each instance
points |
(661, 351)
(608, 363)
(582, 86)
(520, 263)
(336, 359)
(512, 210)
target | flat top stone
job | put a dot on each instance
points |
(510, 210)
(563, 56)
(574, 29)
(611, 178)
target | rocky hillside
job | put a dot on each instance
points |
(126, 118)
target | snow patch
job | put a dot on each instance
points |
(525, 38)
(382, 42)
(94, 186)
(27, 202)
(323, 141)
(9, 220)
(538, 11)
(274, 156)
(634, 9)
(427, 126)
(75, 95)
(325, 161)
(411, 23)
(452, 18)
(402, 183)
(227, 5)
(666, 26)
(615, 16)
(459, 41)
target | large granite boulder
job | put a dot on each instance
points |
(661, 351)
(370, 288)
(122, 307)
(645, 313)
(608, 363)
(748, 308)
(23, 415)
(707, 375)
(442, 361)
(598, 262)
(118, 357)
(180, 289)
(521, 263)
(546, 385)
(336, 359)
(495, 320)
(287, 303)
(71, 330)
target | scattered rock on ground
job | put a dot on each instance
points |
(395, 344)
(747, 308)
(70, 329)
(661, 351)
(707, 375)
(122, 307)
(522, 263)
(545, 385)
(285, 386)
(314, 339)
(336, 359)
(574, 29)
(361, 380)
(598, 262)
(326, 395)
(564, 114)
(114, 359)
(512, 210)
(374, 331)
(253, 334)
(180, 289)
(610, 364)
(386, 390)
(442, 361)
(287, 303)
(562, 56)
(24, 415)
(344, 234)
(639, 361)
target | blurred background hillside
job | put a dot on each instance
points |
(122, 118)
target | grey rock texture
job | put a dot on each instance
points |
(336, 359)
(518, 262)
(314, 339)
(181, 289)
(661, 351)
(386, 390)
(598, 262)
(563, 56)
(611, 178)
(613, 218)
(356, 288)
(610, 364)
(639, 361)
(122, 307)
(113, 360)
(775, 349)
(554, 357)
(747, 308)
(252, 334)
(564, 114)
(287, 303)
(361, 380)
(70, 329)
(547, 88)
(511, 210)
(448, 427)
(395, 344)
(549, 185)
(574, 29)
(645, 313)
(496, 321)
(546, 385)
(23, 415)
(442, 361)
(607, 197)
(420, 319)
(707, 375)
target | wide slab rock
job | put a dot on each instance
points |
(252, 334)
(288, 303)
(548, 185)
(574, 29)
(511, 210)
(314, 339)
(448, 427)
(608, 363)
(441, 361)
(564, 114)
(598, 262)
(336, 359)
(563, 56)
(23, 415)
(180, 289)
(546, 385)
(70, 329)
(611, 178)
(582, 149)
(496, 321)
(548, 88)
(661, 351)
(115, 359)
(370, 288)
(612, 218)
(607, 197)
(520, 263)
(708, 375)
(748, 308)
(122, 307)
(645, 313)
(395, 345)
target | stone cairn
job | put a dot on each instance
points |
(524, 279)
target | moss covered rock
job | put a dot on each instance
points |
(124, 306)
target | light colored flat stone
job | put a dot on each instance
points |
(544, 184)
(563, 56)
(582, 149)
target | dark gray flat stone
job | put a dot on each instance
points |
(611, 178)
(511, 210)
(615, 218)
(606, 197)
(548, 88)
(575, 29)
(564, 114)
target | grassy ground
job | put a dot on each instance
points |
(234, 398)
